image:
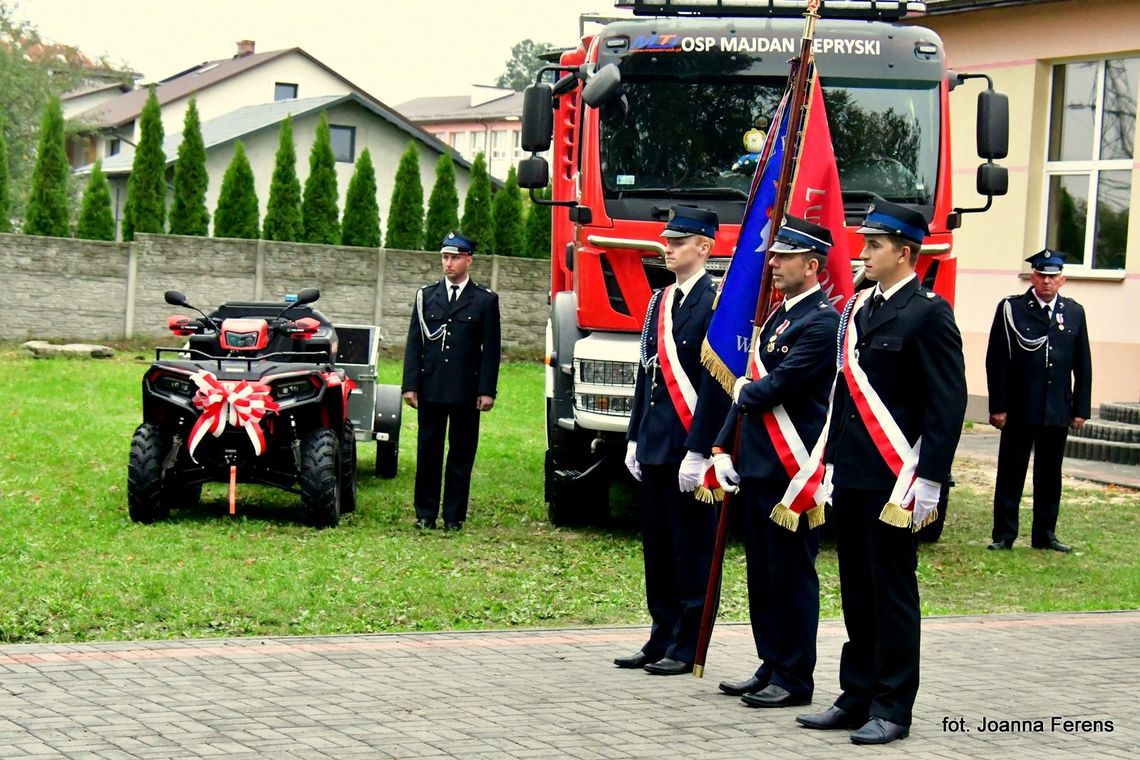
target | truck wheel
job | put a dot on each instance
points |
(387, 456)
(320, 479)
(145, 502)
(348, 468)
(933, 531)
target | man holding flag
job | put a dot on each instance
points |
(895, 422)
(677, 409)
(784, 406)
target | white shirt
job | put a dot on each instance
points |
(1050, 306)
(886, 294)
(459, 292)
(790, 302)
(687, 286)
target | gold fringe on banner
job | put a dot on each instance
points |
(929, 519)
(783, 516)
(895, 515)
(708, 497)
(717, 368)
(817, 516)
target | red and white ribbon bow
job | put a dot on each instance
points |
(239, 404)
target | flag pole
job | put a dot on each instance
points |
(797, 82)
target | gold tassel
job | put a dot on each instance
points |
(703, 494)
(783, 516)
(817, 516)
(718, 494)
(717, 368)
(895, 515)
(929, 519)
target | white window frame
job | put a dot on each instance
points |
(1091, 168)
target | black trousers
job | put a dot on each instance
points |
(878, 667)
(783, 589)
(1047, 442)
(459, 424)
(678, 533)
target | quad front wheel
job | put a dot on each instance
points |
(320, 477)
(145, 502)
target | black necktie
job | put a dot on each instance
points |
(677, 296)
(876, 301)
(454, 295)
(1048, 313)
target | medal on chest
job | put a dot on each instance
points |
(1060, 321)
(772, 341)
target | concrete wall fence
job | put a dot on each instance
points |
(59, 288)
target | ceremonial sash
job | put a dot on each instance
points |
(899, 455)
(680, 388)
(805, 491)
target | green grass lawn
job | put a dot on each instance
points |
(73, 567)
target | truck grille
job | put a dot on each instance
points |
(601, 372)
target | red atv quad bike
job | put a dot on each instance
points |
(254, 397)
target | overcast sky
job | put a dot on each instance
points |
(394, 49)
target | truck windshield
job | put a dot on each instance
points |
(702, 138)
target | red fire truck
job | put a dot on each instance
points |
(669, 107)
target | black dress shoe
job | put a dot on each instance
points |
(832, 718)
(423, 524)
(999, 545)
(749, 685)
(453, 526)
(774, 696)
(879, 731)
(1055, 545)
(667, 666)
(639, 660)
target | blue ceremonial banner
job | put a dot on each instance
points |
(725, 351)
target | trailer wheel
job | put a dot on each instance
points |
(348, 468)
(145, 502)
(320, 478)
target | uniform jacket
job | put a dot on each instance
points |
(1047, 386)
(464, 362)
(911, 351)
(653, 422)
(800, 366)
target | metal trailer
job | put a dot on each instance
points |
(374, 409)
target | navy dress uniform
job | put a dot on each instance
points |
(678, 531)
(451, 358)
(910, 351)
(1039, 375)
(797, 348)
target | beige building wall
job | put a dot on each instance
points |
(1018, 46)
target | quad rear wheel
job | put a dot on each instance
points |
(320, 477)
(348, 468)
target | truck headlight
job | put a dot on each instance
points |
(599, 372)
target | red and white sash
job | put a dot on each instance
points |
(805, 491)
(885, 433)
(680, 388)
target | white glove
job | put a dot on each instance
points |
(740, 383)
(924, 494)
(828, 471)
(692, 470)
(725, 473)
(631, 462)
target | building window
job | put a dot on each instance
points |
(343, 143)
(284, 91)
(478, 138)
(499, 142)
(114, 145)
(456, 140)
(1092, 139)
(517, 134)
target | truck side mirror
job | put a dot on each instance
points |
(533, 173)
(992, 180)
(603, 87)
(537, 118)
(993, 124)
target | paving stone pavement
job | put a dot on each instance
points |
(553, 694)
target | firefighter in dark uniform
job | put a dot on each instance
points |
(678, 408)
(451, 372)
(896, 419)
(797, 347)
(1039, 374)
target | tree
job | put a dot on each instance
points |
(507, 214)
(47, 201)
(188, 214)
(406, 211)
(523, 65)
(538, 227)
(28, 81)
(476, 223)
(96, 222)
(361, 225)
(236, 215)
(319, 216)
(283, 214)
(5, 190)
(145, 209)
(443, 205)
